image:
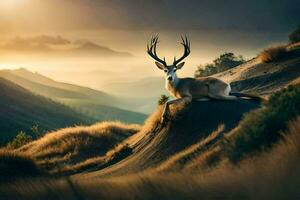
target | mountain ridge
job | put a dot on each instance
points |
(21, 109)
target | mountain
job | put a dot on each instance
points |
(96, 104)
(20, 110)
(152, 146)
(90, 48)
(58, 46)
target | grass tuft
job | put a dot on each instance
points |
(273, 54)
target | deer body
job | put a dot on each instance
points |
(187, 89)
(199, 88)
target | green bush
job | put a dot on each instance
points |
(224, 62)
(261, 128)
(21, 139)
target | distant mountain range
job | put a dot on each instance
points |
(58, 46)
(96, 104)
(20, 110)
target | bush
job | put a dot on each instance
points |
(21, 139)
(261, 128)
(273, 54)
(295, 36)
(224, 62)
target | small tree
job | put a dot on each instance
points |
(21, 139)
(227, 61)
(35, 131)
(295, 36)
(222, 63)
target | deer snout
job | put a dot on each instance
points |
(169, 78)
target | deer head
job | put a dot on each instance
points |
(170, 70)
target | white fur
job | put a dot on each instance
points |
(227, 90)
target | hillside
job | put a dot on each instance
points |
(191, 155)
(96, 104)
(151, 148)
(263, 78)
(20, 110)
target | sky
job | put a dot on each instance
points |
(213, 26)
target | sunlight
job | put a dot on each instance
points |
(4, 4)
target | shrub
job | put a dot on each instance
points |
(273, 54)
(35, 131)
(224, 62)
(21, 139)
(295, 36)
(163, 99)
(261, 128)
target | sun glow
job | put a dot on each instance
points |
(4, 4)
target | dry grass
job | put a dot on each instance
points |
(271, 175)
(273, 54)
(60, 149)
(178, 161)
(153, 120)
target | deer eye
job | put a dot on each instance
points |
(175, 70)
(165, 70)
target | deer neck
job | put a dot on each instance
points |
(171, 86)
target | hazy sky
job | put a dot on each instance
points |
(214, 26)
(242, 15)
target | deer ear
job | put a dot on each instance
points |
(160, 66)
(180, 65)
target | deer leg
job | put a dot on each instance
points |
(167, 109)
(173, 101)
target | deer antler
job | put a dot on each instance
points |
(152, 50)
(187, 50)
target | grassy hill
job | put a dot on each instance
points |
(192, 155)
(256, 76)
(96, 104)
(20, 110)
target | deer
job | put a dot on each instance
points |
(185, 90)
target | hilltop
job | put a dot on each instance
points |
(146, 148)
(188, 127)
